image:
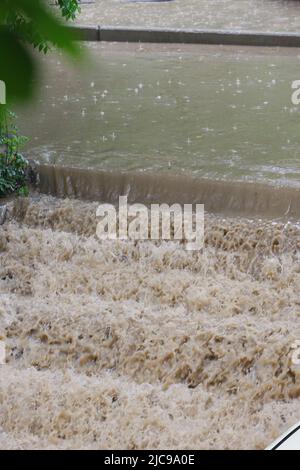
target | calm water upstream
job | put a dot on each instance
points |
(210, 111)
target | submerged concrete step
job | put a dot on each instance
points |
(184, 36)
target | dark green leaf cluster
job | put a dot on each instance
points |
(12, 163)
(26, 23)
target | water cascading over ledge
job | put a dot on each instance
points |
(232, 198)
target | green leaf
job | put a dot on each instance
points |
(18, 68)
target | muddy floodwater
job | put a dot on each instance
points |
(214, 112)
(260, 15)
(134, 345)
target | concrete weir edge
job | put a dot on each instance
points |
(184, 36)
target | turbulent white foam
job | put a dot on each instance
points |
(140, 345)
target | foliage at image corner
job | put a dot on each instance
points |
(26, 25)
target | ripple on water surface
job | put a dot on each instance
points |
(213, 111)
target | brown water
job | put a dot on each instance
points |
(205, 111)
(261, 15)
(145, 345)
(224, 197)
